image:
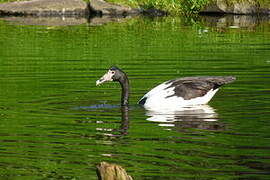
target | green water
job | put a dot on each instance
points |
(56, 124)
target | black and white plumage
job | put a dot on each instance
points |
(172, 94)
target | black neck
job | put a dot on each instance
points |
(125, 90)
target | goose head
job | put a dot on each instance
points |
(113, 74)
(116, 74)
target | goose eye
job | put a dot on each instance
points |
(113, 72)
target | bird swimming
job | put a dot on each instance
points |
(172, 94)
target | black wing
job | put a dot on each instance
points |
(192, 87)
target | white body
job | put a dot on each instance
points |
(159, 98)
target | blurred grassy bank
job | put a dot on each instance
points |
(181, 6)
(175, 6)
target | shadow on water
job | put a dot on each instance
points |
(97, 107)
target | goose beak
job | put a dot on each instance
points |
(98, 82)
(106, 77)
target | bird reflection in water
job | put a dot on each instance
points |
(124, 120)
(123, 129)
(201, 117)
(108, 132)
(198, 117)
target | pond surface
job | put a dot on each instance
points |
(56, 124)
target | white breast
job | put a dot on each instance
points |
(161, 97)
